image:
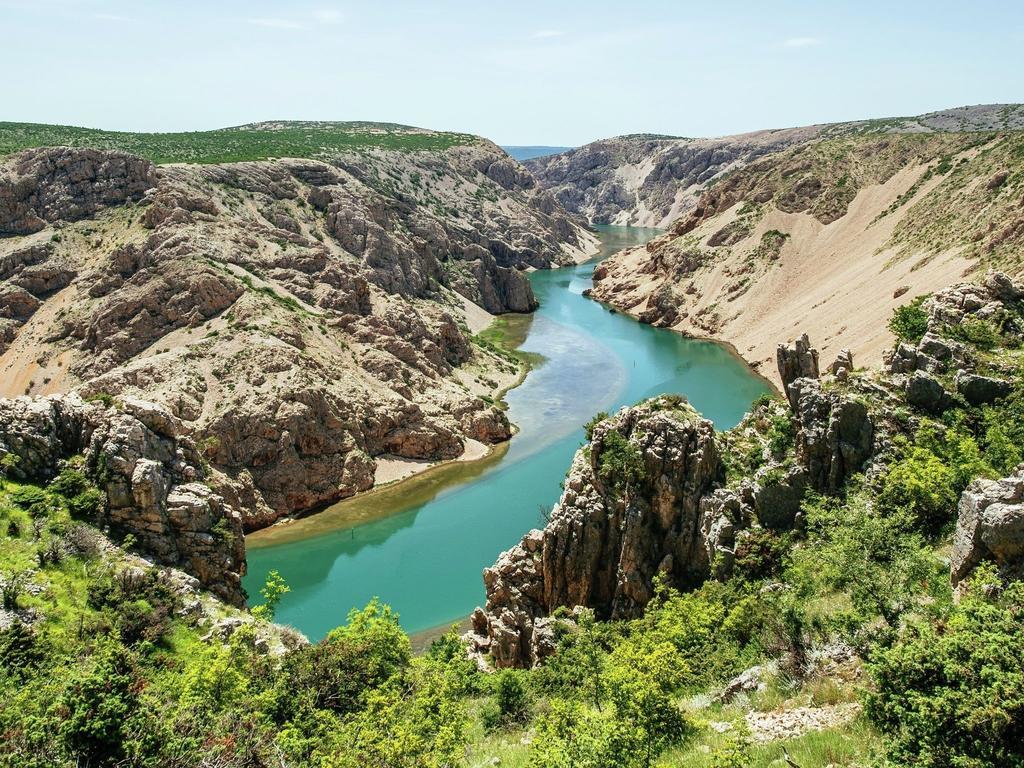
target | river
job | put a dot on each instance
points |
(421, 545)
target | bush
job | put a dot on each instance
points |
(977, 332)
(97, 705)
(28, 496)
(923, 486)
(872, 557)
(510, 705)
(951, 693)
(910, 322)
(620, 463)
(597, 418)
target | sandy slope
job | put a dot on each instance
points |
(835, 281)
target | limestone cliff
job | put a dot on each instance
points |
(298, 317)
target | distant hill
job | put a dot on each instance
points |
(256, 141)
(528, 153)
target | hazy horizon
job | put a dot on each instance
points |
(542, 75)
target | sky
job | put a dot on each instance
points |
(559, 73)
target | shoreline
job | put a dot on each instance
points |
(726, 345)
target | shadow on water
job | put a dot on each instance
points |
(421, 545)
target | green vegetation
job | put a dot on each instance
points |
(232, 145)
(116, 664)
(952, 693)
(910, 321)
(620, 464)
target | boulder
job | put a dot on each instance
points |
(926, 393)
(835, 434)
(990, 527)
(981, 390)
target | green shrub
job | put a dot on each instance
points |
(620, 464)
(510, 703)
(28, 496)
(97, 705)
(977, 332)
(870, 556)
(910, 321)
(588, 428)
(923, 486)
(951, 692)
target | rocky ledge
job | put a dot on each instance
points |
(156, 485)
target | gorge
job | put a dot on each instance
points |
(425, 556)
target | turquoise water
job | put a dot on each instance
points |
(425, 559)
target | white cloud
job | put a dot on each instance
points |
(802, 42)
(111, 17)
(277, 23)
(328, 16)
(543, 34)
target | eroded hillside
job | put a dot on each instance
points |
(830, 235)
(650, 181)
(299, 317)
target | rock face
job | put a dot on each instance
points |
(835, 434)
(41, 186)
(608, 536)
(796, 361)
(298, 317)
(155, 484)
(990, 527)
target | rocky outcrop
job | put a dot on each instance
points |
(41, 186)
(990, 527)
(155, 484)
(796, 361)
(637, 502)
(299, 317)
(835, 434)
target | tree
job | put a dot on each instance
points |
(643, 675)
(910, 321)
(273, 589)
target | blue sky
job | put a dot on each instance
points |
(516, 72)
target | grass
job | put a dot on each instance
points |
(230, 145)
(505, 335)
(854, 744)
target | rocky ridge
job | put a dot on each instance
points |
(650, 181)
(298, 317)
